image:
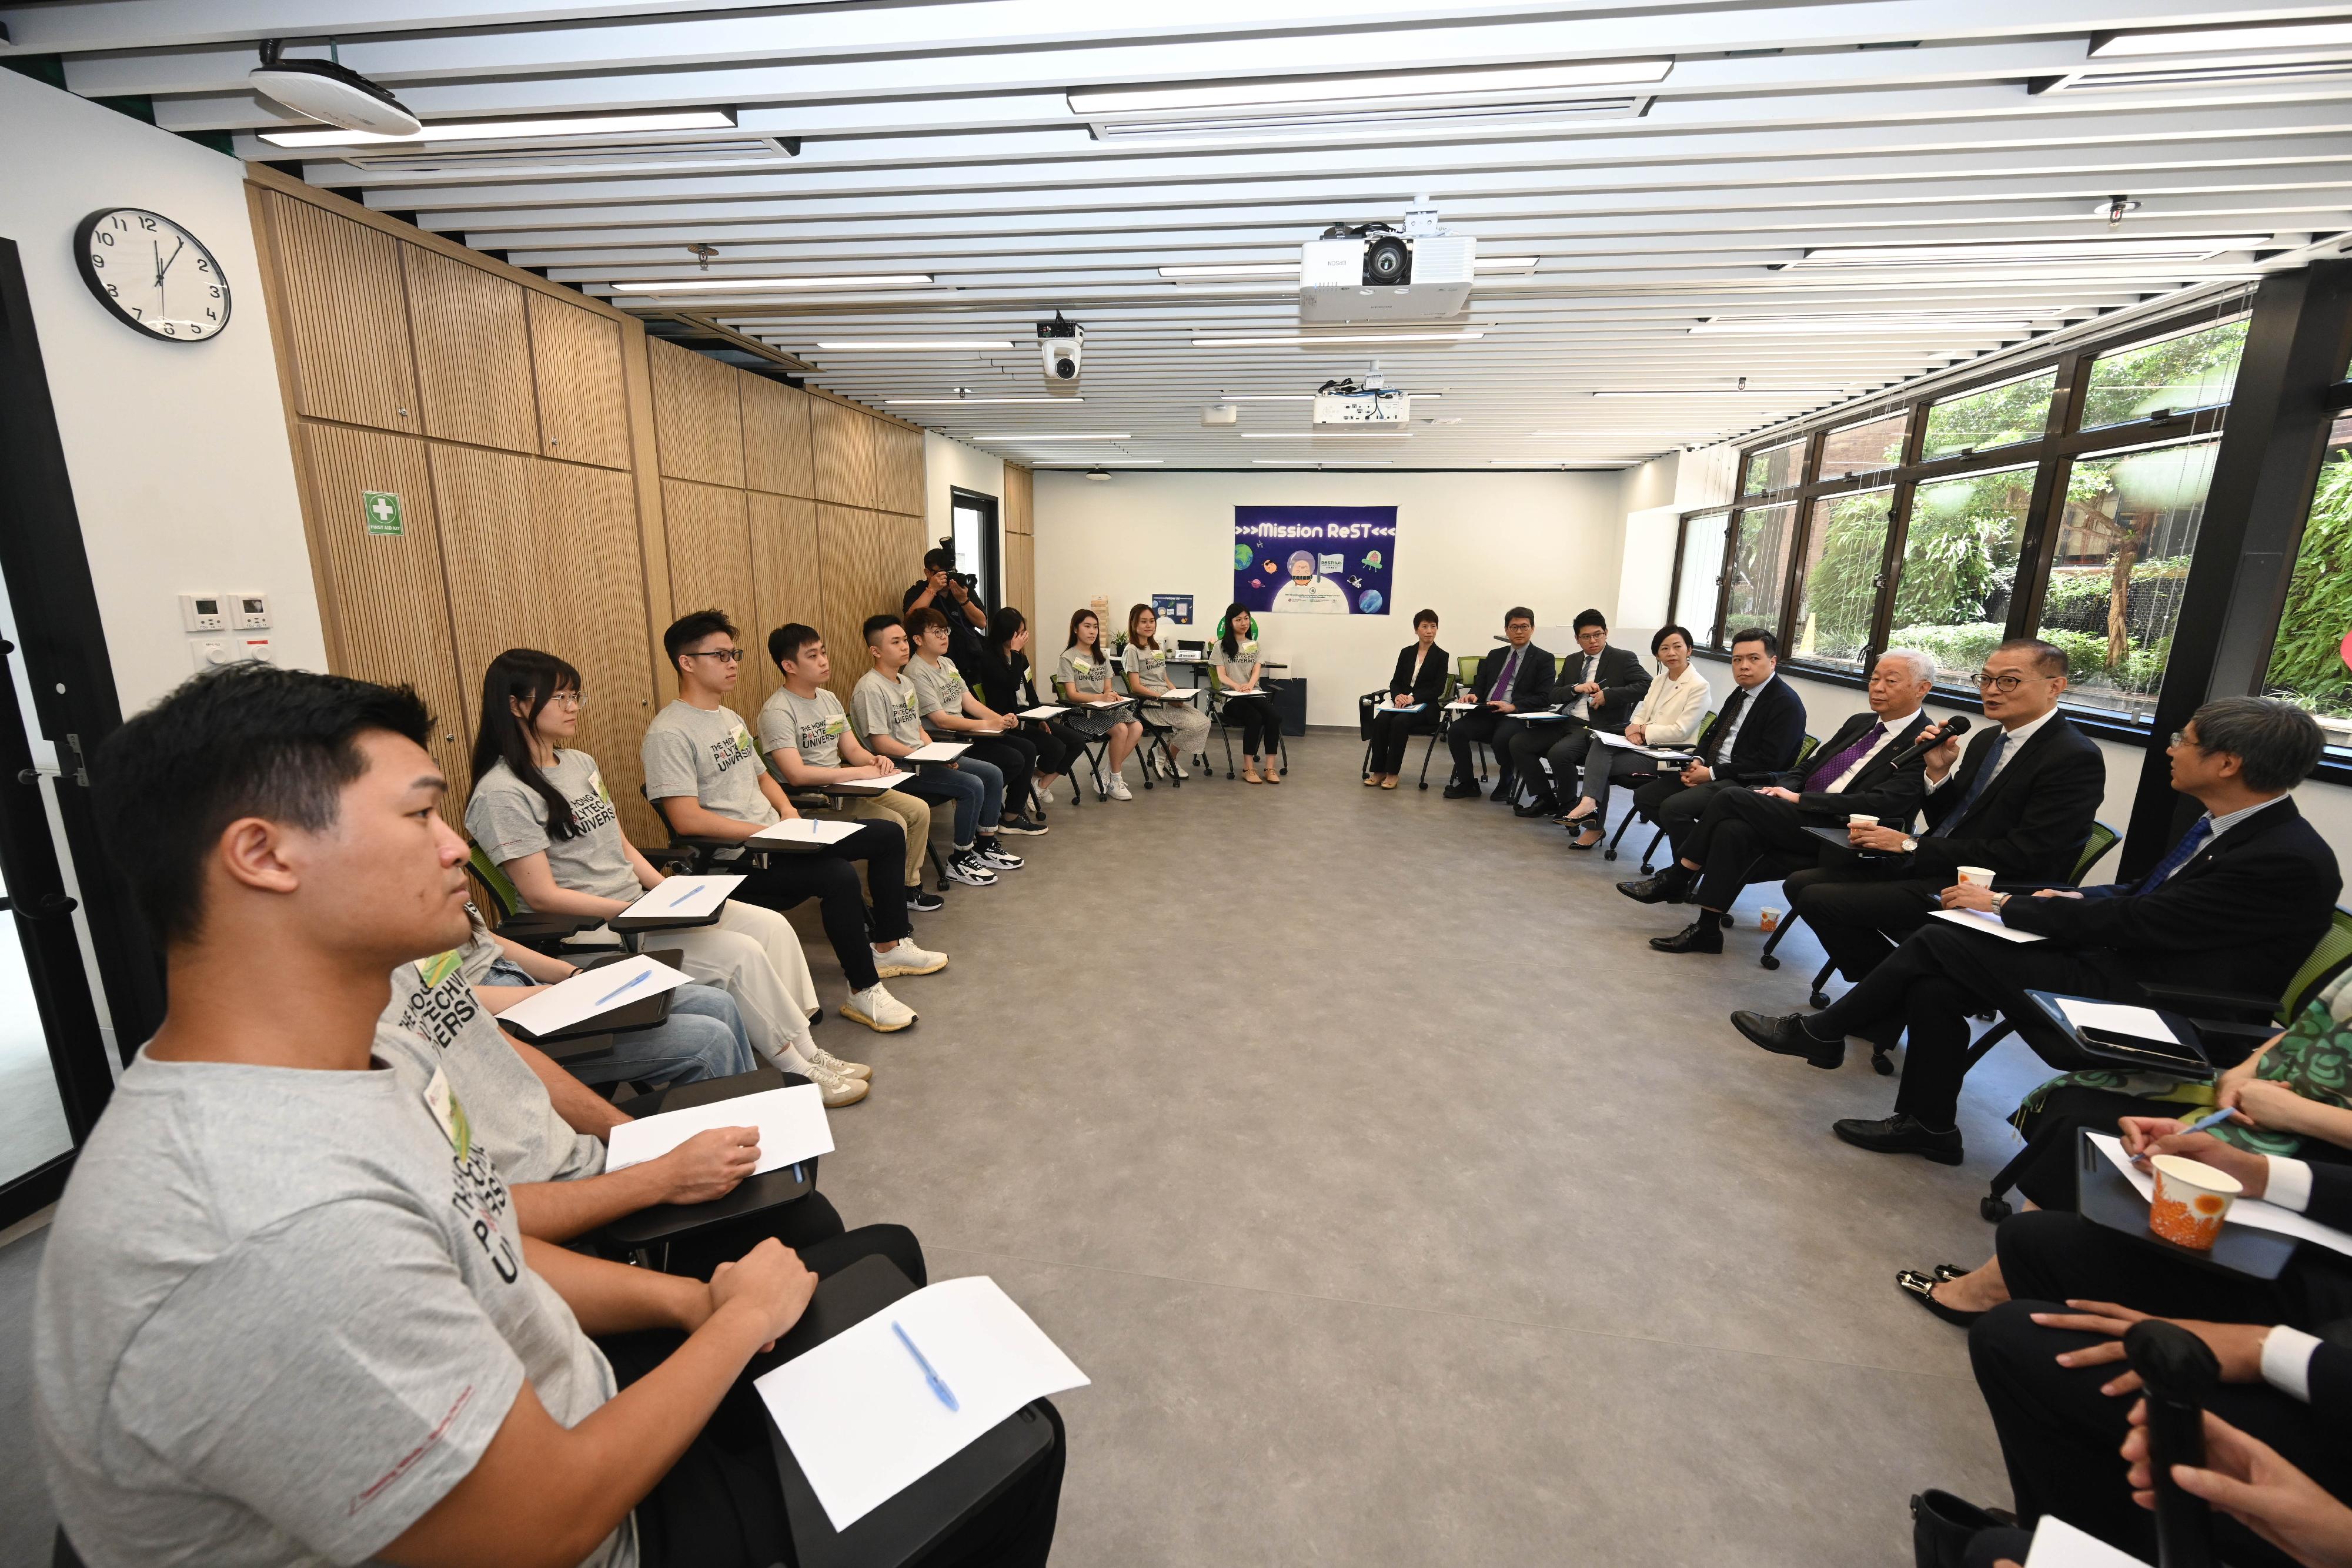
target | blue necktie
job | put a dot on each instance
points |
(2190, 842)
(1975, 785)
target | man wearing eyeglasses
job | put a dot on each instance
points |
(2019, 802)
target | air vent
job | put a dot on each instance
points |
(648, 154)
(1524, 119)
(2195, 76)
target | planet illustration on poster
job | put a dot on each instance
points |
(1369, 602)
(1243, 555)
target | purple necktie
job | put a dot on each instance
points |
(1830, 772)
(1500, 691)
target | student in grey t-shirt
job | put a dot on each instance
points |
(1239, 671)
(1145, 663)
(707, 753)
(802, 734)
(886, 712)
(1083, 679)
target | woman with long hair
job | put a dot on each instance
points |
(541, 810)
(1004, 679)
(1248, 707)
(1084, 682)
(1146, 666)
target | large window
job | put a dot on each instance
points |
(1958, 571)
(1774, 468)
(2194, 369)
(2307, 661)
(1845, 548)
(1701, 575)
(1999, 416)
(1864, 448)
(1757, 570)
(2116, 576)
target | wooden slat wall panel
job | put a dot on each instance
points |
(709, 556)
(897, 468)
(340, 287)
(584, 412)
(841, 439)
(391, 602)
(904, 540)
(473, 353)
(776, 437)
(848, 552)
(787, 576)
(1020, 500)
(1021, 575)
(698, 418)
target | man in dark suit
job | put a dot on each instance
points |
(1598, 689)
(2236, 906)
(1754, 740)
(1514, 677)
(1761, 835)
(2019, 803)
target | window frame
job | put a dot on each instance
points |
(1704, 634)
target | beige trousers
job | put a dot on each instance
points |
(914, 820)
(754, 955)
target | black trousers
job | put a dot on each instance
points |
(1742, 837)
(1859, 913)
(1675, 806)
(1563, 745)
(1260, 724)
(721, 1506)
(789, 880)
(2059, 1435)
(1939, 976)
(1391, 731)
(1477, 729)
(1015, 756)
(1056, 745)
(807, 1222)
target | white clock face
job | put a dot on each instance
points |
(152, 274)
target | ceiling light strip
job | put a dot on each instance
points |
(762, 285)
(495, 130)
(1356, 85)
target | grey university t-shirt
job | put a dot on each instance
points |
(939, 688)
(1245, 657)
(508, 818)
(436, 1021)
(280, 1314)
(1084, 672)
(1148, 666)
(709, 756)
(887, 707)
(811, 726)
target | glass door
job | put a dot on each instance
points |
(976, 550)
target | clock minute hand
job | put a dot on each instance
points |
(167, 262)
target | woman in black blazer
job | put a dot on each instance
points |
(1418, 681)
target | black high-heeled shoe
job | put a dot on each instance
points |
(1921, 1288)
(1578, 843)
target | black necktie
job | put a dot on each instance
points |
(1723, 724)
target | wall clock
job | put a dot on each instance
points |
(152, 274)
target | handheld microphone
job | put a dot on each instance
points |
(2180, 1373)
(1956, 725)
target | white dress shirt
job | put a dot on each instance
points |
(2009, 749)
(1582, 706)
(2286, 1353)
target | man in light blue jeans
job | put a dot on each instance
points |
(702, 1038)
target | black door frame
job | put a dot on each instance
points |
(75, 707)
(991, 570)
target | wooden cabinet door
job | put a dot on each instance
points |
(338, 290)
(897, 468)
(776, 437)
(473, 353)
(584, 405)
(787, 575)
(388, 605)
(842, 441)
(697, 419)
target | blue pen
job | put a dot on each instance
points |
(632, 983)
(2214, 1120)
(690, 893)
(938, 1387)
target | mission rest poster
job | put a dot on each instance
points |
(1314, 560)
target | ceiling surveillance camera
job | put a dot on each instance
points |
(1058, 346)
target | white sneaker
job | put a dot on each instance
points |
(996, 857)
(878, 1010)
(836, 1089)
(1179, 768)
(907, 958)
(966, 866)
(1043, 798)
(812, 1053)
(1118, 789)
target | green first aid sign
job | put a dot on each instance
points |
(382, 510)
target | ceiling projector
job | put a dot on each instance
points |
(330, 91)
(1375, 272)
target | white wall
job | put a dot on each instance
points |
(178, 452)
(947, 464)
(1468, 546)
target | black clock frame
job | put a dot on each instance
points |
(89, 226)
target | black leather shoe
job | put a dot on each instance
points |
(1668, 886)
(1921, 1288)
(1505, 788)
(1901, 1135)
(1538, 806)
(1701, 935)
(1457, 790)
(1785, 1036)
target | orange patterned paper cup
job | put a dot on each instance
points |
(2191, 1200)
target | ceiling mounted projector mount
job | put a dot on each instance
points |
(330, 91)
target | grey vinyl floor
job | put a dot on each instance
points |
(1404, 1207)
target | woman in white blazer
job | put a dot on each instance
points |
(1669, 716)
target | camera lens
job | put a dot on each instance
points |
(1387, 261)
(1066, 370)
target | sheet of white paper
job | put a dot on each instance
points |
(1047, 712)
(1180, 691)
(685, 896)
(862, 1420)
(1459, 708)
(1619, 741)
(792, 1125)
(2143, 1023)
(1391, 707)
(938, 751)
(2058, 1544)
(585, 995)
(804, 830)
(1539, 716)
(2250, 1211)
(870, 785)
(1665, 753)
(1976, 920)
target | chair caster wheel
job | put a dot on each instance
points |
(1993, 1209)
(1882, 1064)
(1819, 1000)
(1608, 854)
(1769, 961)
(1725, 921)
(1424, 789)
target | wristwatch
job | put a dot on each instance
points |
(1910, 844)
(2000, 902)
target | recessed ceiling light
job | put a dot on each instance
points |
(1327, 435)
(1940, 326)
(1091, 101)
(1564, 462)
(1302, 339)
(2334, 31)
(1095, 461)
(1730, 391)
(910, 345)
(1323, 461)
(2192, 248)
(750, 285)
(1290, 268)
(952, 402)
(490, 129)
(1052, 435)
(1297, 397)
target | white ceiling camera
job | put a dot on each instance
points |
(1058, 344)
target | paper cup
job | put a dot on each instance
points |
(2191, 1202)
(1981, 877)
(1767, 919)
(1859, 820)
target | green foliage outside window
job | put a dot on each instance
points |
(1997, 416)
(2305, 662)
(2195, 370)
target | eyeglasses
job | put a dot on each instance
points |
(2003, 684)
(569, 699)
(2182, 738)
(730, 655)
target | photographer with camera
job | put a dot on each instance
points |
(956, 595)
